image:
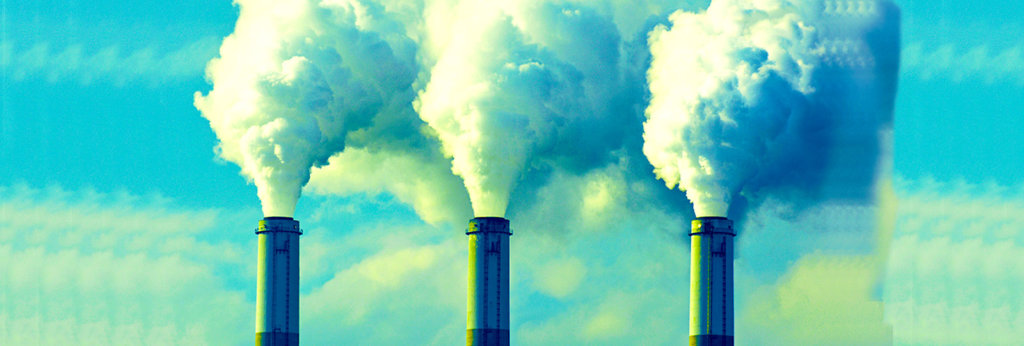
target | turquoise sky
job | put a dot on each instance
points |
(98, 121)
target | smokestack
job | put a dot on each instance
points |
(277, 282)
(711, 320)
(487, 296)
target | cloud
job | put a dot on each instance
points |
(412, 294)
(822, 300)
(960, 62)
(97, 268)
(561, 277)
(811, 275)
(956, 264)
(85, 64)
(632, 291)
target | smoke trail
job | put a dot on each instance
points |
(294, 80)
(753, 95)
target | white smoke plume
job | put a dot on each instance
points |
(723, 84)
(294, 80)
(757, 93)
(498, 98)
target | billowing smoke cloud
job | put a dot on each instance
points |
(501, 98)
(514, 91)
(723, 85)
(749, 95)
(294, 80)
(487, 102)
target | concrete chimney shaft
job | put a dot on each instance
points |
(711, 255)
(487, 294)
(277, 282)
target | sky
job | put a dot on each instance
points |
(121, 224)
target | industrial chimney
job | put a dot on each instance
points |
(711, 315)
(487, 296)
(277, 282)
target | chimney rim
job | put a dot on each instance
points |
(709, 225)
(489, 218)
(503, 225)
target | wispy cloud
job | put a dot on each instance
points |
(99, 268)
(810, 276)
(957, 63)
(87, 64)
(956, 265)
(822, 300)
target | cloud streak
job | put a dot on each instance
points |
(113, 269)
(956, 263)
(956, 63)
(86, 65)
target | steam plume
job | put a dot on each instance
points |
(293, 81)
(501, 97)
(752, 85)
